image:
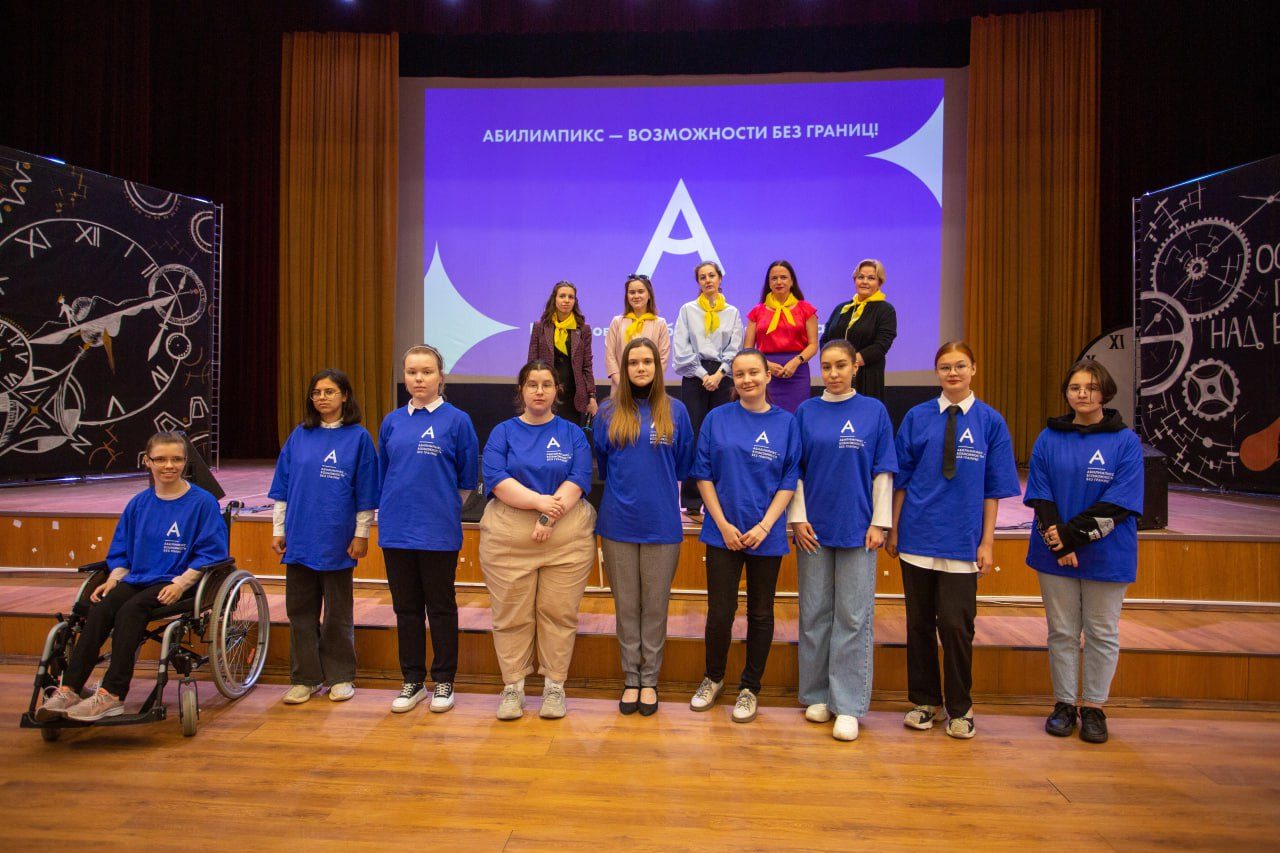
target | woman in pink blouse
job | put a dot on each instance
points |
(785, 328)
(639, 319)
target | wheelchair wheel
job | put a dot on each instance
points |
(188, 709)
(50, 735)
(241, 628)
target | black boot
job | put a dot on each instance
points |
(1062, 722)
(1093, 725)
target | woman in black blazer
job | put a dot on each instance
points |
(562, 338)
(869, 323)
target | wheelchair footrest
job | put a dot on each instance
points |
(157, 713)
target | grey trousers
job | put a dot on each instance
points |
(640, 577)
(1074, 606)
(320, 652)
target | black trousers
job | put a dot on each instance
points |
(940, 606)
(699, 401)
(724, 571)
(320, 652)
(423, 581)
(125, 609)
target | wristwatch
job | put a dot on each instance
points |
(544, 520)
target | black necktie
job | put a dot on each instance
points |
(949, 443)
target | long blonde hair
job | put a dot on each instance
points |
(624, 423)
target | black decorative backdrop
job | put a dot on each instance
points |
(108, 310)
(1208, 326)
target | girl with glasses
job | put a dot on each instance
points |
(1085, 484)
(325, 491)
(955, 462)
(639, 319)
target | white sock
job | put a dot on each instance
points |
(518, 685)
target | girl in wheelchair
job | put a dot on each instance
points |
(166, 535)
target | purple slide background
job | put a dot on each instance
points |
(510, 219)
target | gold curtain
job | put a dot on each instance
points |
(1031, 226)
(338, 183)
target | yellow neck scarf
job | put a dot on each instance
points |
(637, 323)
(712, 310)
(858, 304)
(562, 332)
(779, 309)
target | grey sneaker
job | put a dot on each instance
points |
(99, 705)
(552, 701)
(512, 705)
(961, 727)
(706, 694)
(57, 703)
(920, 717)
(342, 691)
(299, 693)
(744, 710)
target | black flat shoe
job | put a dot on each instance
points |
(648, 709)
(1093, 725)
(1062, 722)
(629, 708)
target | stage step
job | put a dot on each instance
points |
(1187, 656)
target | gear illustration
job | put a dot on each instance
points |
(1202, 265)
(1165, 339)
(1211, 389)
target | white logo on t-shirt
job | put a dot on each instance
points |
(848, 427)
(763, 436)
(174, 531)
(552, 443)
(332, 457)
(967, 435)
(1097, 457)
(430, 431)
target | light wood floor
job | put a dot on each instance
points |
(260, 775)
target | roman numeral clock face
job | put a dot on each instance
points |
(83, 359)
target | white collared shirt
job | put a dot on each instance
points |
(943, 564)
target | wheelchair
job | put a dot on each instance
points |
(228, 615)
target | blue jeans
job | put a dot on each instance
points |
(837, 606)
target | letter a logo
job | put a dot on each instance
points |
(332, 457)
(552, 443)
(429, 433)
(848, 427)
(174, 531)
(967, 435)
(764, 436)
(698, 242)
(1097, 457)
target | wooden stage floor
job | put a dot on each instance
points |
(1191, 513)
(262, 776)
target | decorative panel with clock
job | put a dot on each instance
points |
(108, 319)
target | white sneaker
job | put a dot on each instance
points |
(411, 694)
(342, 691)
(300, 693)
(553, 707)
(512, 705)
(920, 717)
(744, 710)
(706, 694)
(817, 713)
(961, 727)
(846, 727)
(57, 703)
(99, 705)
(443, 699)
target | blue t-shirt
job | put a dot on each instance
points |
(750, 457)
(941, 517)
(539, 457)
(641, 497)
(424, 459)
(158, 539)
(326, 476)
(1075, 471)
(845, 445)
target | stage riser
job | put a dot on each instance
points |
(998, 672)
(1169, 569)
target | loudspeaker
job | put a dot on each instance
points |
(1155, 490)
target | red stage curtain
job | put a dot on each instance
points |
(338, 173)
(1031, 226)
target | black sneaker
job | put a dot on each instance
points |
(411, 694)
(1093, 725)
(1062, 722)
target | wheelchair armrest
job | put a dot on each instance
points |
(100, 566)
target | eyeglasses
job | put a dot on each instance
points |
(168, 460)
(325, 393)
(1086, 389)
(953, 368)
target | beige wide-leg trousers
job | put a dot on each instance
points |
(535, 587)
